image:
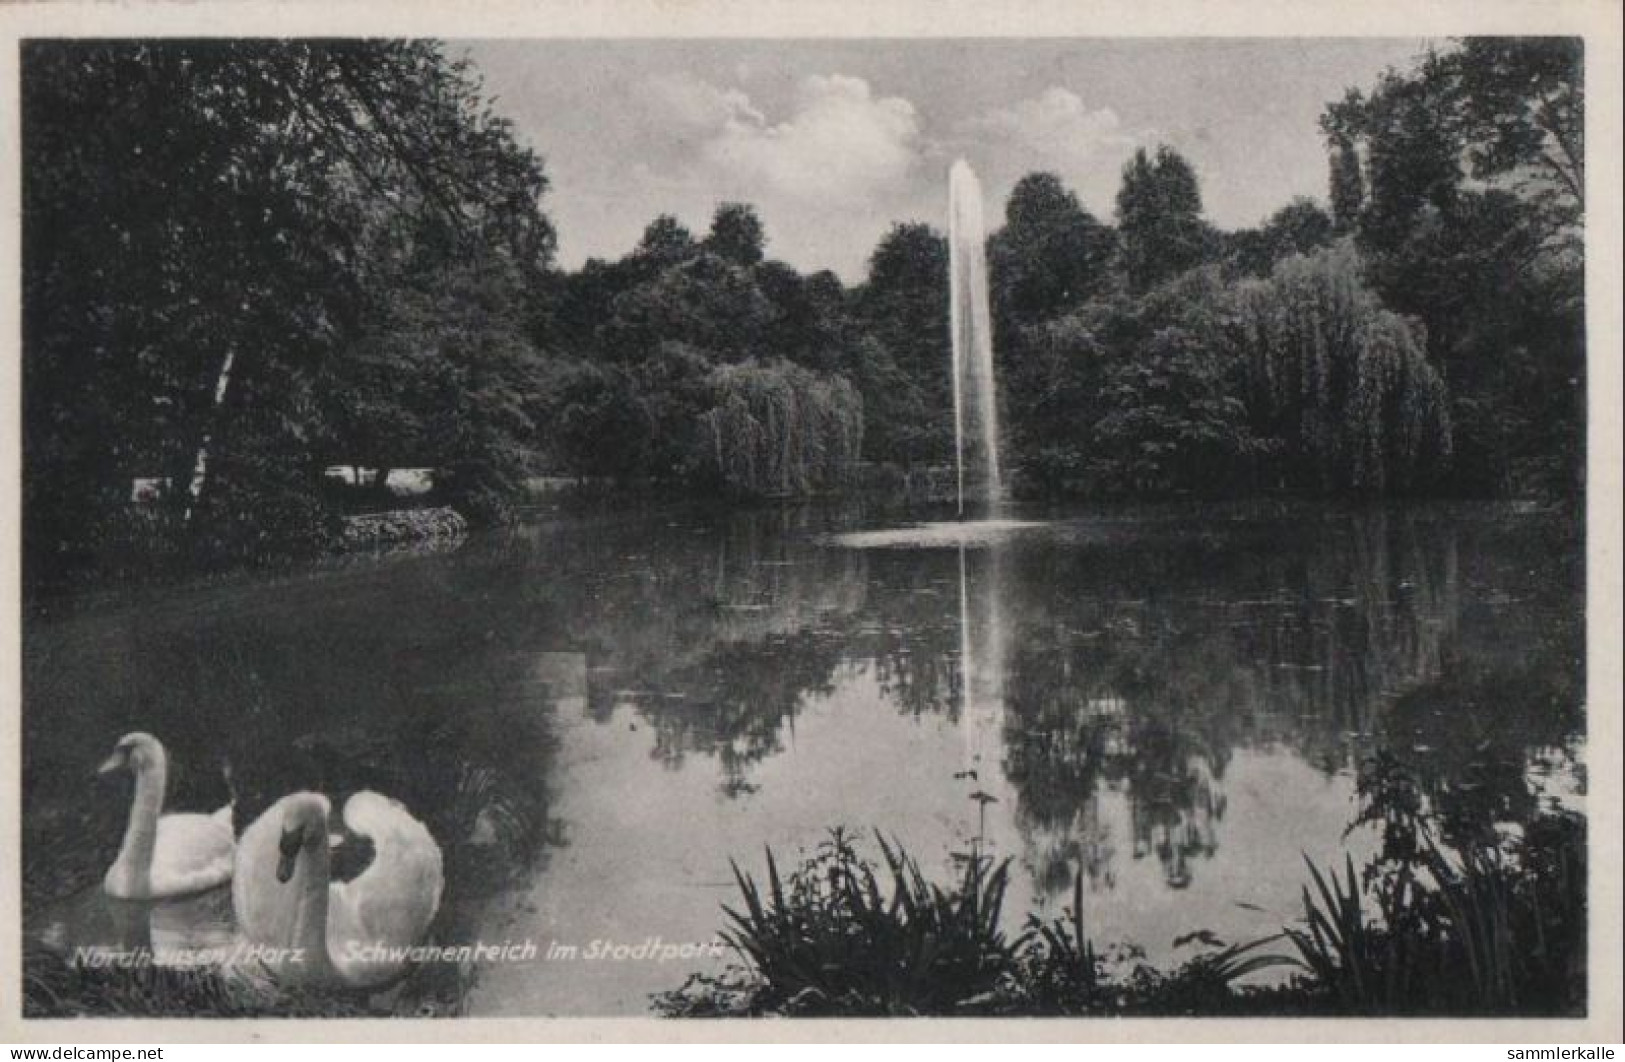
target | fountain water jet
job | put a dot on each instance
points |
(975, 400)
(976, 423)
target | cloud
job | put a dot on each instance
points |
(833, 167)
(1055, 124)
(827, 174)
(693, 104)
(1054, 130)
(840, 143)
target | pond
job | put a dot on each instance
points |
(595, 713)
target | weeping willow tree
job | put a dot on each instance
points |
(1341, 384)
(781, 430)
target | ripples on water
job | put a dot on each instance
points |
(593, 716)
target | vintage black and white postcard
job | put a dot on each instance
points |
(657, 513)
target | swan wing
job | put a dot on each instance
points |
(375, 919)
(193, 932)
(191, 853)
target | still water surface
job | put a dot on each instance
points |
(596, 713)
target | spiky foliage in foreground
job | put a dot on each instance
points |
(1474, 929)
(839, 937)
(1469, 930)
(830, 938)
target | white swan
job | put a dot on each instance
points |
(355, 934)
(164, 855)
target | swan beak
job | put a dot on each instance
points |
(288, 854)
(284, 866)
(111, 764)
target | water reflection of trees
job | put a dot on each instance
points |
(714, 630)
(911, 633)
(1462, 749)
(739, 699)
(1137, 666)
(1351, 625)
(1133, 666)
(1100, 715)
(1323, 641)
(1175, 800)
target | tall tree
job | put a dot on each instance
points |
(442, 375)
(808, 325)
(709, 302)
(1170, 418)
(666, 240)
(1159, 218)
(1492, 266)
(1347, 184)
(1051, 255)
(903, 307)
(1522, 107)
(1297, 228)
(1413, 155)
(736, 234)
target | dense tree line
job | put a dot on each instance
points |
(702, 362)
(1424, 333)
(248, 261)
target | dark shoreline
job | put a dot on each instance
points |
(408, 534)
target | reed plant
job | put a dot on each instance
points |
(842, 935)
(1468, 929)
(1341, 948)
(1464, 929)
(1067, 967)
(836, 936)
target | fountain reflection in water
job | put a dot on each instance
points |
(982, 653)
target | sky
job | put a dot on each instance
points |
(833, 141)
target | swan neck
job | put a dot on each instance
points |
(310, 918)
(141, 833)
